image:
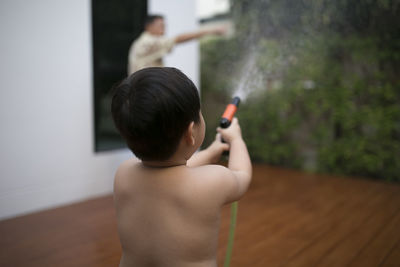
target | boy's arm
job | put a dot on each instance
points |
(239, 160)
(210, 155)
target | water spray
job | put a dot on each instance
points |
(225, 122)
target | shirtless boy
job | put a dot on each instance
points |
(168, 204)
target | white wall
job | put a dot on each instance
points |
(46, 113)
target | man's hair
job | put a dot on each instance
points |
(152, 108)
(151, 18)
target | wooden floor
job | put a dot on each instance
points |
(288, 218)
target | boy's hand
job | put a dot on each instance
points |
(210, 155)
(232, 132)
(216, 148)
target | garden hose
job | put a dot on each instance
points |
(232, 226)
(226, 120)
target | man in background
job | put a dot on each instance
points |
(149, 49)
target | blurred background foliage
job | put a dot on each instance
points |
(328, 96)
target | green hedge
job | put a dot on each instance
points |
(325, 103)
(328, 92)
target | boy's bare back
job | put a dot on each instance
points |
(170, 216)
(168, 204)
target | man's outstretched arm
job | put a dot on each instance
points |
(184, 37)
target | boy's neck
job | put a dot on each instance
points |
(164, 164)
(179, 158)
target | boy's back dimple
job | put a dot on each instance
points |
(165, 217)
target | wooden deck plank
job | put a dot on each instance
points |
(375, 252)
(288, 218)
(336, 234)
(346, 249)
(393, 258)
(271, 242)
(82, 234)
(302, 237)
(289, 229)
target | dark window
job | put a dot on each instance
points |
(115, 24)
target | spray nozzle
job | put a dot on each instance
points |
(229, 112)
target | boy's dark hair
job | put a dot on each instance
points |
(150, 18)
(152, 108)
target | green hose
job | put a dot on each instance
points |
(234, 208)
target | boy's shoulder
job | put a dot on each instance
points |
(124, 172)
(127, 166)
(212, 170)
(216, 179)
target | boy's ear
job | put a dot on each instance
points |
(189, 134)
